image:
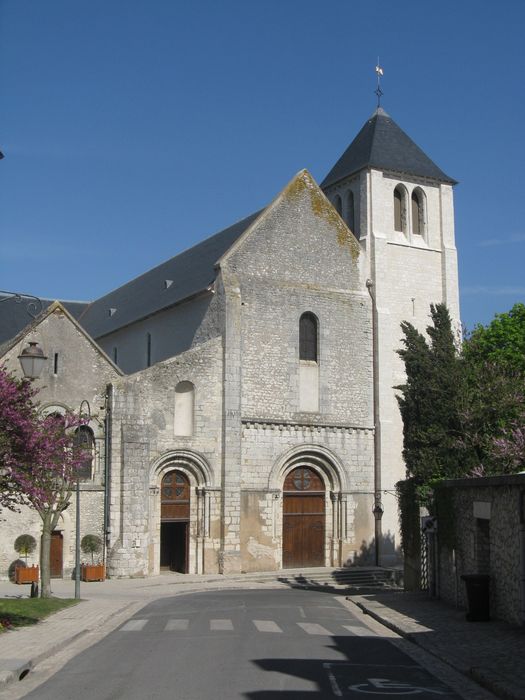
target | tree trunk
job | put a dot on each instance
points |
(45, 556)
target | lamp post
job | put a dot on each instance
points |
(33, 306)
(32, 357)
(77, 515)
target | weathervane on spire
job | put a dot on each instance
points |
(378, 91)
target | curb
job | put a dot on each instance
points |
(486, 679)
(19, 672)
(22, 668)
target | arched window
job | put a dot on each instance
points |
(418, 212)
(400, 213)
(184, 407)
(308, 366)
(350, 211)
(338, 205)
(308, 337)
(85, 441)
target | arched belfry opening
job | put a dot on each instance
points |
(303, 518)
(174, 521)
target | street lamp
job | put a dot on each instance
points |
(378, 511)
(77, 517)
(32, 359)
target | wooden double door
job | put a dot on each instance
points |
(303, 519)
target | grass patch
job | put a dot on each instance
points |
(19, 612)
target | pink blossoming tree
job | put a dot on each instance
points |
(38, 461)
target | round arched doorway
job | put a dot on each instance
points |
(174, 521)
(303, 519)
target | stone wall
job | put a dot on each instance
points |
(477, 506)
(171, 332)
(145, 446)
(300, 257)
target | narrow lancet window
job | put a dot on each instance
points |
(308, 337)
(148, 349)
(350, 212)
(308, 363)
(418, 212)
(400, 214)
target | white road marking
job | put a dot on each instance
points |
(359, 631)
(176, 625)
(314, 628)
(221, 625)
(133, 625)
(267, 626)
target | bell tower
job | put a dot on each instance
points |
(399, 205)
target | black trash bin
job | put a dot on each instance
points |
(478, 597)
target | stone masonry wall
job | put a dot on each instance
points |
(171, 331)
(298, 257)
(498, 502)
(144, 438)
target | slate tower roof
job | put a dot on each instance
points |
(383, 145)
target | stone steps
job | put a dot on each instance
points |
(345, 577)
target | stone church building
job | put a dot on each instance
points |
(243, 416)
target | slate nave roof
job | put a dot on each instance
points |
(187, 273)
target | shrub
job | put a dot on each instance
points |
(25, 545)
(91, 544)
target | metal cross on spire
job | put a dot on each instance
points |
(378, 91)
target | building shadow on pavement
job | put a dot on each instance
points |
(351, 667)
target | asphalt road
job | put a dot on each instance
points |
(256, 644)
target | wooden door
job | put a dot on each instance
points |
(303, 519)
(57, 546)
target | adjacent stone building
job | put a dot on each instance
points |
(247, 412)
(475, 516)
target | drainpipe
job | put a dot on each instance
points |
(107, 466)
(378, 506)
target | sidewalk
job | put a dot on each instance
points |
(492, 653)
(114, 600)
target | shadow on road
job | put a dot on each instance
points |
(362, 666)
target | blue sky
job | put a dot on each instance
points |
(133, 129)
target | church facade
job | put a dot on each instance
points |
(243, 410)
